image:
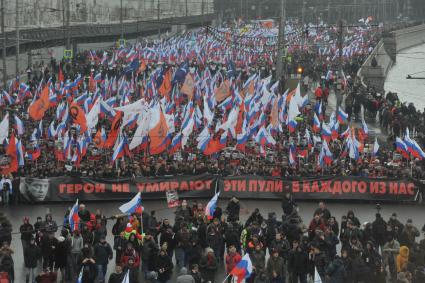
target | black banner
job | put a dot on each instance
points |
(204, 186)
(335, 187)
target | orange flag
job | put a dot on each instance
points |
(98, 140)
(142, 67)
(188, 86)
(40, 106)
(92, 83)
(78, 116)
(274, 116)
(158, 136)
(165, 87)
(223, 91)
(61, 77)
(113, 133)
(11, 152)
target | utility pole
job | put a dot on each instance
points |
(281, 40)
(187, 9)
(202, 12)
(303, 13)
(68, 32)
(121, 21)
(4, 44)
(340, 71)
(329, 11)
(159, 18)
(17, 38)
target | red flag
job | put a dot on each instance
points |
(113, 134)
(92, 83)
(98, 140)
(78, 116)
(61, 78)
(40, 106)
(11, 152)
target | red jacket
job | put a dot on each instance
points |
(232, 260)
(318, 93)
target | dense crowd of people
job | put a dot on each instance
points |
(197, 249)
(112, 78)
(220, 109)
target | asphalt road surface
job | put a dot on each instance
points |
(365, 212)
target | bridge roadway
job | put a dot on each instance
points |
(35, 38)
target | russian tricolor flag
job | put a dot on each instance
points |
(401, 147)
(334, 130)
(243, 269)
(73, 218)
(342, 117)
(176, 144)
(19, 125)
(326, 132)
(375, 148)
(133, 205)
(292, 125)
(120, 150)
(211, 206)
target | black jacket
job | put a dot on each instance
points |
(27, 231)
(89, 272)
(336, 271)
(164, 267)
(298, 261)
(102, 253)
(233, 210)
(31, 254)
(116, 278)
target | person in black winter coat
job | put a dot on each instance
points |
(166, 235)
(232, 235)
(117, 276)
(288, 204)
(6, 261)
(255, 217)
(196, 274)
(163, 266)
(347, 261)
(373, 261)
(320, 261)
(331, 241)
(61, 255)
(31, 255)
(297, 263)
(27, 231)
(194, 253)
(335, 271)
(379, 230)
(233, 209)
(133, 271)
(354, 219)
(208, 266)
(48, 246)
(148, 254)
(88, 267)
(102, 255)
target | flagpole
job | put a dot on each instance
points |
(228, 275)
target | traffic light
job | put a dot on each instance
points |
(300, 70)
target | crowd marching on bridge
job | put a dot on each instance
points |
(205, 241)
(212, 96)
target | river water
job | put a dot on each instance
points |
(409, 61)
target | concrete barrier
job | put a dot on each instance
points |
(385, 54)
